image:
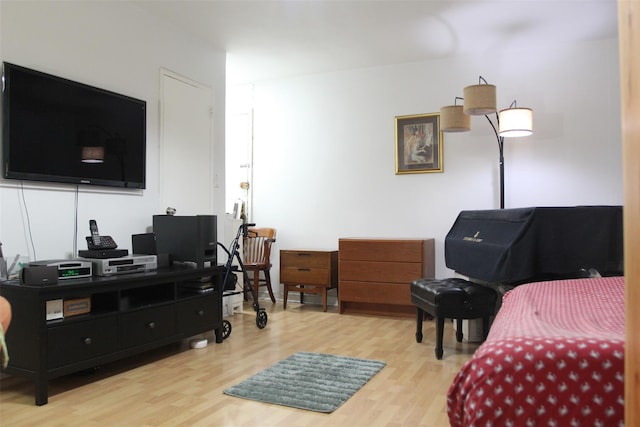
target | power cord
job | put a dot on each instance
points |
(26, 213)
(75, 223)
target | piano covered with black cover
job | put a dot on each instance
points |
(513, 246)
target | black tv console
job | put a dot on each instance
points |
(129, 314)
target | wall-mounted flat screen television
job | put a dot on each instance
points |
(58, 130)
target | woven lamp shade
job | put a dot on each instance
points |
(479, 99)
(516, 122)
(453, 119)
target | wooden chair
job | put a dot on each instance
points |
(257, 258)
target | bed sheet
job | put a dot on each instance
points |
(554, 357)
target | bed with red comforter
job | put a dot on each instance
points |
(554, 357)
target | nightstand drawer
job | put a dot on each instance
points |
(307, 276)
(308, 259)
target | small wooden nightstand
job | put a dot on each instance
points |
(308, 271)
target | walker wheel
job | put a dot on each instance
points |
(261, 319)
(226, 329)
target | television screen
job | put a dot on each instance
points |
(58, 130)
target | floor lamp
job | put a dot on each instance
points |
(480, 100)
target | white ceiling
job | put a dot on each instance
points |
(273, 39)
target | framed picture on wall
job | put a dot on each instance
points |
(418, 144)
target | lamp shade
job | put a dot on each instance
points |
(480, 99)
(453, 119)
(92, 154)
(515, 122)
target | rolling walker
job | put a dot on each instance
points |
(230, 279)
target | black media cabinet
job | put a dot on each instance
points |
(129, 314)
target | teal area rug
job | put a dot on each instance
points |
(312, 381)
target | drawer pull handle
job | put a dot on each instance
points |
(304, 254)
(304, 269)
(200, 312)
(87, 340)
(152, 325)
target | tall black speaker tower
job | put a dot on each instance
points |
(187, 238)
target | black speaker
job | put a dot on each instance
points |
(187, 238)
(40, 275)
(144, 244)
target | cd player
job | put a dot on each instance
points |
(67, 268)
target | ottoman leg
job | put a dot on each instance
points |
(459, 334)
(485, 327)
(439, 334)
(419, 316)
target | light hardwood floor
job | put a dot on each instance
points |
(179, 386)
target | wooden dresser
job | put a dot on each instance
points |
(375, 274)
(308, 271)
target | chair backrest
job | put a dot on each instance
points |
(256, 247)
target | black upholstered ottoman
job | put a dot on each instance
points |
(451, 298)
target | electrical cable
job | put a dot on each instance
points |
(26, 211)
(75, 223)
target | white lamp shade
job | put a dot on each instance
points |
(92, 154)
(480, 99)
(453, 119)
(515, 122)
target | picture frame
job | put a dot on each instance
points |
(418, 144)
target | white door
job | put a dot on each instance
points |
(186, 146)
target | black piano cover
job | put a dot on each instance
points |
(537, 243)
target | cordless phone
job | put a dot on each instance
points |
(95, 236)
(96, 241)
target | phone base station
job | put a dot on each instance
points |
(103, 253)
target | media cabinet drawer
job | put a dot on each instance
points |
(81, 340)
(147, 325)
(197, 315)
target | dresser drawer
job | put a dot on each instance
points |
(147, 325)
(376, 292)
(309, 259)
(198, 315)
(81, 340)
(393, 272)
(382, 250)
(307, 276)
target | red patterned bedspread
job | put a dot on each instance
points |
(554, 357)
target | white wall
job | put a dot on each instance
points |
(118, 47)
(324, 145)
